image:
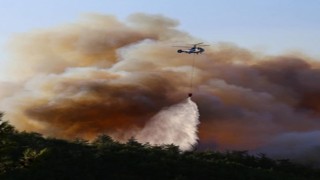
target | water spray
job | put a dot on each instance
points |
(177, 124)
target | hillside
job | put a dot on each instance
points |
(31, 156)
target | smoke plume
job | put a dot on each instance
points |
(102, 75)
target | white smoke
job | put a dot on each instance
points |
(176, 124)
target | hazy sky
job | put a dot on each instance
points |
(271, 26)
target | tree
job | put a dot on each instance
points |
(133, 143)
(103, 140)
(5, 127)
(25, 155)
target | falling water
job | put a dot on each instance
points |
(176, 124)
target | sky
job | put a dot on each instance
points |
(269, 26)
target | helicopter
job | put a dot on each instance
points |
(193, 48)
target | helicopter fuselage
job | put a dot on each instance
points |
(195, 50)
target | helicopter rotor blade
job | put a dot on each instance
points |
(195, 44)
(198, 43)
(182, 46)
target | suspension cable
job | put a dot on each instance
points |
(191, 76)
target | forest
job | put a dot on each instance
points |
(29, 155)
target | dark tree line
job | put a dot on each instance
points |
(31, 156)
